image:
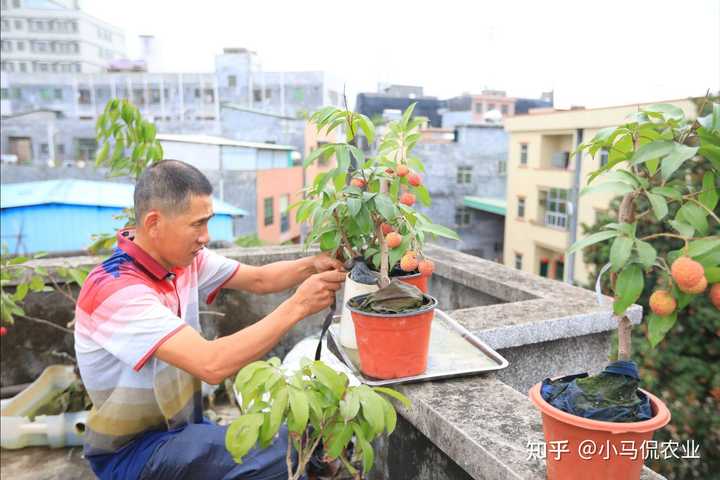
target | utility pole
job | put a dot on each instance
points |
(574, 207)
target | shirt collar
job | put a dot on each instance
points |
(141, 257)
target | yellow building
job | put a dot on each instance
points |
(542, 177)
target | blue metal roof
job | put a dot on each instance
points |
(83, 192)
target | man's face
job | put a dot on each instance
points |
(180, 237)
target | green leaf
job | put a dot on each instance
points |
(354, 206)
(591, 239)
(366, 449)
(390, 416)
(620, 252)
(372, 409)
(394, 394)
(693, 215)
(682, 228)
(712, 153)
(242, 435)
(697, 248)
(616, 188)
(709, 194)
(385, 206)
(629, 286)
(329, 240)
(300, 410)
(349, 406)
(367, 127)
(102, 154)
(651, 151)
(667, 110)
(674, 160)
(423, 195)
(339, 436)
(21, 292)
(333, 380)
(658, 326)
(646, 253)
(712, 274)
(659, 205)
(668, 192)
(438, 230)
(37, 283)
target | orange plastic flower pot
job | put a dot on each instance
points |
(417, 279)
(578, 447)
(393, 346)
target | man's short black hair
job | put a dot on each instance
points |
(167, 186)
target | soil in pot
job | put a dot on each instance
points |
(392, 329)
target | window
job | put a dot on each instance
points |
(559, 270)
(284, 213)
(44, 148)
(20, 46)
(232, 81)
(478, 108)
(5, 25)
(257, 95)
(497, 247)
(268, 211)
(464, 175)
(4, 95)
(491, 106)
(603, 157)
(86, 148)
(518, 261)
(23, 66)
(523, 154)
(502, 168)
(322, 161)
(84, 96)
(18, 24)
(58, 94)
(504, 109)
(556, 208)
(6, 46)
(462, 216)
(60, 149)
(16, 3)
(521, 207)
(544, 267)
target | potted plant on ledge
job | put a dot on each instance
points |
(364, 212)
(646, 156)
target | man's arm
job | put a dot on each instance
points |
(281, 276)
(214, 360)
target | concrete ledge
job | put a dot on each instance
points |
(480, 423)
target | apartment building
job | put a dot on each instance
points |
(544, 214)
(56, 36)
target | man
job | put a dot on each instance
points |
(138, 345)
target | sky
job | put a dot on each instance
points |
(590, 52)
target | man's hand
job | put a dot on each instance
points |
(317, 292)
(324, 262)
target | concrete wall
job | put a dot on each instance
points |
(481, 148)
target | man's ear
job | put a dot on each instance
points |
(151, 223)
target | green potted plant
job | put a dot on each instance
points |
(320, 409)
(646, 156)
(363, 211)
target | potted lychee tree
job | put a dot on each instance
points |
(646, 160)
(363, 211)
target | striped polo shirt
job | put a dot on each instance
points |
(128, 306)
